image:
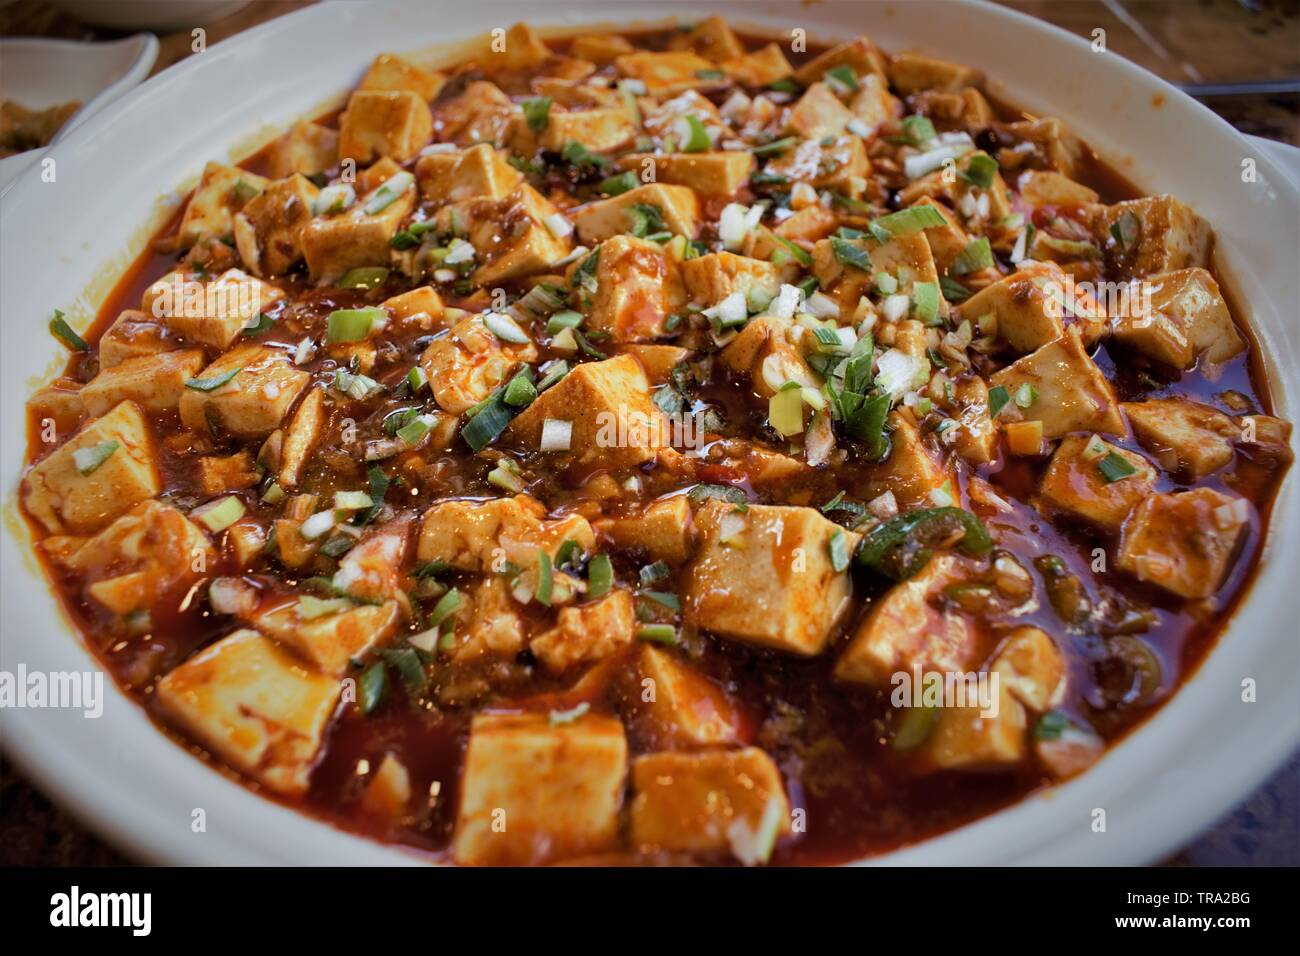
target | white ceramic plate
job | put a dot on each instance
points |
(1198, 756)
(43, 73)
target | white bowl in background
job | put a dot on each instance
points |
(42, 73)
(160, 15)
(1190, 763)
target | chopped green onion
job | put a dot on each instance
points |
(537, 112)
(366, 277)
(373, 686)
(914, 727)
(359, 387)
(925, 302)
(274, 494)
(600, 575)
(1126, 229)
(666, 598)
(618, 184)
(89, 459)
(918, 130)
(568, 319)
(839, 549)
(784, 85)
(519, 392)
(353, 325)
(980, 170)
(842, 76)
(553, 374)
(657, 633)
(909, 221)
(409, 666)
(1115, 467)
(222, 515)
(351, 500)
(416, 379)
(698, 140)
(211, 384)
(387, 194)
(244, 191)
(710, 74)
(447, 605)
(655, 573)
(263, 323)
(60, 329)
(776, 146)
(413, 432)
(309, 608)
(953, 291)
(545, 579)
(998, 398)
(976, 256)
(1051, 725)
(801, 256)
(559, 718)
(575, 154)
(849, 254)
(1026, 395)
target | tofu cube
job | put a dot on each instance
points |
(154, 382)
(60, 403)
(221, 473)
(606, 218)
(535, 792)
(637, 287)
(840, 165)
(132, 335)
(209, 313)
(859, 54)
(873, 104)
(352, 239)
(600, 130)
(1186, 437)
(495, 627)
(478, 172)
(254, 402)
(1075, 485)
(1028, 315)
(658, 360)
(667, 74)
(1185, 542)
(1045, 187)
(719, 173)
(392, 72)
(912, 73)
(912, 469)
(142, 559)
(331, 642)
(608, 406)
(709, 801)
(661, 530)
(393, 123)
(967, 109)
(601, 49)
(220, 194)
(1073, 394)
(1030, 665)
(588, 632)
(482, 536)
(267, 231)
(818, 114)
(65, 501)
(1053, 141)
(511, 235)
(420, 308)
(711, 278)
(675, 707)
(964, 739)
(255, 706)
(1170, 236)
(767, 350)
(521, 49)
(467, 363)
(1177, 317)
(482, 114)
(663, 118)
(765, 576)
(712, 38)
(308, 148)
(908, 629)
(763, 67)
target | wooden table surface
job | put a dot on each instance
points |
(1240, 57)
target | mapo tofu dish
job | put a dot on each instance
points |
(669, 447)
